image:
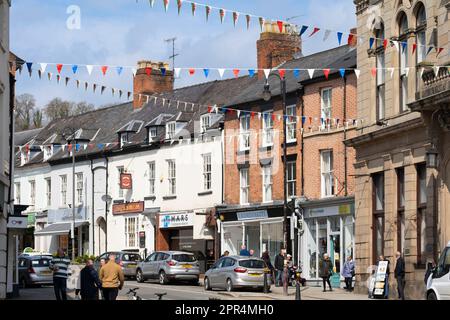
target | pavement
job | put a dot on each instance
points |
(181, 291)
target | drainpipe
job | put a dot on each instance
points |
(93, 212)
(345, 137)
(106, 204)
(302, 147)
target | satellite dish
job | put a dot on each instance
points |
(107, 198)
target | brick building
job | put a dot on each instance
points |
(402, 197)
(319, 165)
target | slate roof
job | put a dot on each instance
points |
(23, 137)
(102, 126)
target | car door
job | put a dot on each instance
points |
(212, 275)
(227, 271)
(221, 276)
(148, 264)
(441, 279)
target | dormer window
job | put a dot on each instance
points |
(152, 133)
(170, 130)
(24, 157)
(124, 138)
(48, 152)
(204, 123)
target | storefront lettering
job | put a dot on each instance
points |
(252, 215)
(175, 220)
(133, 207)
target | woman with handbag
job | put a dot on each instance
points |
(325, 271)
(348, 273)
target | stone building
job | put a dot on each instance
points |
(402, 196)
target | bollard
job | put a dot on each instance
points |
(266, 285)
(298, 295)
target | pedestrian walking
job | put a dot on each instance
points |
(325, 271)
(225, 254)
(102, 263)
(386, 279)
(252, 252)
(112, 278)
(89, 282)
(279, 267)
(60, 267)
(348, 272)
(244, 252)
(399, 274)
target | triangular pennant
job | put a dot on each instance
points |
(396, 45)
(86, 85)
(385, 44)
(148, 71)
(326, 35)
(102, 89)
(371, 42)
(67, 80)
(311, 73)
(342, 72)
(282, 73)
(439, 52)
(119, 70)
(207, 8)
(339, 35)
(251, 73)
(78, 84)
(179, 4)
(222, 15)
(350, 39)
(238, 113)
(29, 64)
(235, 18)
(59, 67)
(89, 69)
(374, 72)
(236, 72)
(303, 30)
(40, 74)
(177, 72)
(94, 87)
(104, 69)
(280, 26)
(414, 47)
(134, 70)
(326, 72)
(261, 23)
(74, 68)
(436, 70)
(163, 71)
(248, 18)
(296, 73)
(191, 71)
(267, 73)
(221, 72)
(58, 78)
(404, 46)
(194, 7)
(166, 4)
(314, 31)
(206, 72)
(120, 93)
(43, 67)
(357, 73)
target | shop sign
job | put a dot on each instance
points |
(17, 222)
(380, 278)
(126, 181)
(176, 220)
(252, 215)
(343, 209)
(132, 207)
(31, 219)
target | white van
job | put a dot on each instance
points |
(438, 283)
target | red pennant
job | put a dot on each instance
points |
(439, 52)
(273, 116)
(69, 148)
(350, 39)
(326, 72)
(91, 145)
(280, 26)
(385, 44)
(282, 73)
(374, 72)
(148, 71)
(236, 72)
(310, 120)
(191, 71)
(104, 69)
(314, 31)
(414, 48)
(27, 148)
(59, 67)
(209, 109)
(252, 114)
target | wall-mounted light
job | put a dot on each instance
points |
(432, 158)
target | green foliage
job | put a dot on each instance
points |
(83, 259)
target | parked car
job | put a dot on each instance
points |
(234, 272)
(35, 270)
(169, 265)
(127, 260)
(438, 282)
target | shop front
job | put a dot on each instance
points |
(260, 230)
(186, 231)
(329, 228)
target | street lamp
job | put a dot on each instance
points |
(69, 136)
(432, 158)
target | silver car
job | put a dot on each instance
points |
(34, 270)
(234, 272)
(169, 265)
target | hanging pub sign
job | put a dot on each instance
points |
(126, 181)
(132, 207)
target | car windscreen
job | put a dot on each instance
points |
(184, 257)
(252, 264)
(131, 257)
(40, 262)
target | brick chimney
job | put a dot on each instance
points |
(155, 83)
(354, 41)
(275, 47)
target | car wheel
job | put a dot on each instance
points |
(140, 276)
(207, 285)
(431, 296)
(162, 278)
(229, 285)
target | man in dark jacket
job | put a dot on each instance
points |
(279, 267)
(399, 274)
(325, 271)
(90, 283)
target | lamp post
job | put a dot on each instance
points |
(267, 95)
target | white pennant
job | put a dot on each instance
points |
(63, 147)
(436, 70)
(89, 69)
(311, 73)
(147, 99)
(279, 117)
(406, 70)
(152, 3)
(357, 73)
(238, 113)
(177, 72)
(85, 146)
(221, 72)
(43, 67)
(396, 45)
(259, 115)
(267, 73)
(392, 71)
(134, 70)
(422, 70)
(327, 34)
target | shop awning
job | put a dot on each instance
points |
(58, 228)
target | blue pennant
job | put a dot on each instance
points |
(342, 72)
(74, 68)
(119, 70)
(77, 147)
(371, 42)
(303, 30)
(339, 35)
(429, 50)
(224, 110)
(206, 72)
(29, 64)
(404, 45)
(163, 71)
(251, 73)
(100, 145)
(303, 120)
(296, 73)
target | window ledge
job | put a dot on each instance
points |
(290, 144)
(169, 197)
(152, 198)
(265, 148)
(205, 193)
(243, 152)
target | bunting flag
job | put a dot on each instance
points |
(296, 73)
(177, 72)
(414, 47)
(207, 8)
(261, 23)
(74, 69)
(86, 86)
(429, 50)
(404, 46)
(439, 52)
(248, 18)
(235, 18)
(43, 67)
(350, 39)
(326, 72)
(40, 74)
(104, 69)
(314, 31)
(236, 72)
(58, 78)
(179, 4)
(206, 72)
(396, 45)
(66, 80)
(371, 42)
(134, 70)
(282, 73)
(222, 15)
(251, 73)
(163, 71)
(280, 26)
(374, 72)
(59, 67)
(221, 72)
(385, 44)
(339, 35)
(311, 73)
(29, 65)
(303, 30)
(191, 71)
(148, 71)
(119, 70)
(194, 7)
(357, 73)
(94, 87)
(89, 69)
(166, 4)
(152, 3)
(342, 72)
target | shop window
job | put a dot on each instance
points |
(378, 215)
(421, 212)
(400, 209)
(292, 178)
(291, 123)
(327, 182)
(244, 186)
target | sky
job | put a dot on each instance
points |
(122, 32)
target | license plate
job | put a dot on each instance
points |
(132, 265)
(46, 272)
(255, 274)
(187, 266)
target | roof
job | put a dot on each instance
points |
(23, 137)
